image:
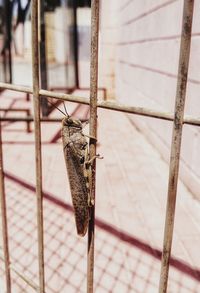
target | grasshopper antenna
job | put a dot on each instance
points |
(65, 109)
(57, 108)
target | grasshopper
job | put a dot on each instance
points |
(78, 163)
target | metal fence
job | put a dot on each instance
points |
(177, 117)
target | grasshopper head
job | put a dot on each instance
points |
(72, 123)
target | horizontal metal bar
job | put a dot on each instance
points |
(16, 88)
(64, 97)
(189, 120)
(13, 110)
(135, 110)
(30, 119)
(143, 111)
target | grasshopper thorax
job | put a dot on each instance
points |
(72, 123)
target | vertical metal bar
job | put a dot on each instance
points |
(93, 133)
(75, 41)
(43, 61)
(7, 41)
(176, 140)
(37, 130)
(27, 97)
(28, 124)
(4, 220)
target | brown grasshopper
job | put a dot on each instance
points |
(75, 147)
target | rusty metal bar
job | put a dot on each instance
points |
(27, 111)
(37, 131)
(28, 125)
(29, 119)
(189, 120)
(4, 220)
(13, 110)
(176, 140)
(93, 133)
(16, 88)
(43, 57)
(28, 90)
(27, 97)
(115, 106)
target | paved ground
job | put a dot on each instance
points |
(130, 210)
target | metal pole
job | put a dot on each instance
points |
(37, 131)
(102, 104)
(93, 133)
(43, 61)
(7, 41)
(75, 43)
(4, 221)
(176, 140)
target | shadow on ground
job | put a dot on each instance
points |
(123, 263)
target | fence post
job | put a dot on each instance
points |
(176, 140)
(4, 220)
(37, 131)
(93, 133)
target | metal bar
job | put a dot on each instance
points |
(4, 220)
(104, 104)
(110, 105)
(189, 120)
(28, 125)
(27, 97)
(29, 119)
(93, 133)
(76, 43)
(43, 61)
(135, 110)
(6, 51)
(13, 110)
(25, 89)
(16, 88)
(64, 97)
(37, 131)
(176, 140)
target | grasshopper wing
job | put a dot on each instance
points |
(78, 187)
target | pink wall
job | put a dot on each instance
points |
(139, 53)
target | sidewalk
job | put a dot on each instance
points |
(131, 197)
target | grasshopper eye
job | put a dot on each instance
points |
(69, 121)
(81, 160)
